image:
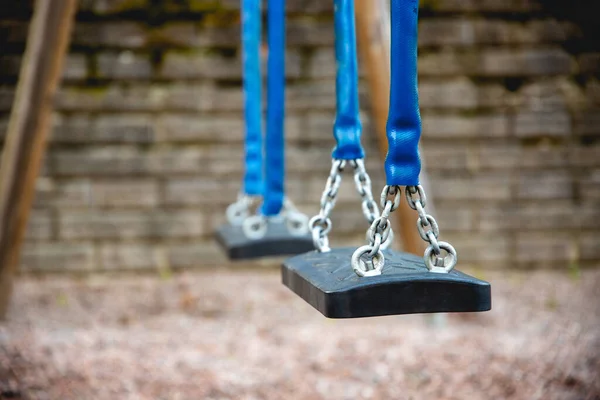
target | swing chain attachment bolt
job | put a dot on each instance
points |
(255, 227)
(239, 211)
(364, 264)
(429, 232)
(379, 232)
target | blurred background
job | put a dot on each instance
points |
(146, 153)
(147, 144)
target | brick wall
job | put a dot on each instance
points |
(147, 144)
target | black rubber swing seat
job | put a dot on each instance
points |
(328, 283)
(276, 242)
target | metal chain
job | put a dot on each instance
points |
(239, 211)
(429, 232)
(256, 226)
(238, 214)
(369, 260)
(320, 224)
(363, 187)
(369, 206)
(295, 220)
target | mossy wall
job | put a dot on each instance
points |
(147, 146)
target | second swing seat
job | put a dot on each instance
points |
(277, 241)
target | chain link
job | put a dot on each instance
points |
(295, 220)
(239, 211)
(320, 224)
(369, 206)
(363, 187)
(369, 260)
(255, 226)
(429, 232)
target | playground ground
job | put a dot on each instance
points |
(240, 334)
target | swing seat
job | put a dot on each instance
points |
(328, 283)
(276, 242)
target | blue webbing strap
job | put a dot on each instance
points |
(275, 156)
(403, 164)
(251, 35)
(347, 128)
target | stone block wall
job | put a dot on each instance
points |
(147, 144)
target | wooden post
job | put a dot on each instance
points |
(28, 127)
(373, 33)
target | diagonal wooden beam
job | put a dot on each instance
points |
(30, 120)
(373, 33)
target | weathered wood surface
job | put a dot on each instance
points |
(28, 128)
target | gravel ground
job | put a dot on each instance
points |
(242, 335)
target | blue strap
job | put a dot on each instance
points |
(251, 35)
(403, 164)
(275, 158)
(347, 128)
